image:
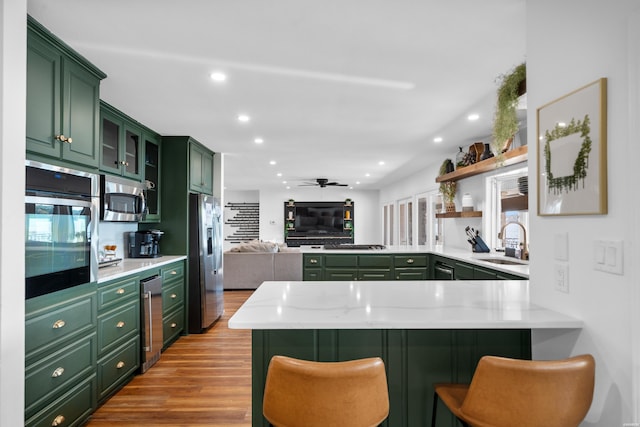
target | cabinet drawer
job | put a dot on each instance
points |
(116, 293)
(383, 261)
(49, 326)
(172, 326)
(410, 260)
(313, 260)
(463, 272)
(482, 274)
(118, 325)
(312, 274)
(118, 365)
(340, 274)
(340, 260)
(71, 409)
(375, 274)
(172, 296)
(411, 274)
(173, 272)
(48, 377)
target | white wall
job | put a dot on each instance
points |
(569, 44)
(366, 211)
(13, 26)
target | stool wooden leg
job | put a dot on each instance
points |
(433, 411)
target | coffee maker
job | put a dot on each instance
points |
(144, 244)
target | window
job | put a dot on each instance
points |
(405, 222)
(508, 196)
(388, 223)
(429, 227)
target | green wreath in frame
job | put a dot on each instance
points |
(569, 182)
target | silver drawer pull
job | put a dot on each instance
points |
(173, 325)
(410, 261)
(313, 261)
(120, 324)
(120, 365)
(174, 296)
(59, 324)
(120, 291)
(57, 421)
(58, 372)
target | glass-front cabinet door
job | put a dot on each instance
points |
(120, 143)
(110, 144)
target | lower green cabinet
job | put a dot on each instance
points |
(349, 267)
(116, 367)
(173, 302)
(70, 409)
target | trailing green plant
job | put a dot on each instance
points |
(505, 122)
(448, 190)
(580, 165)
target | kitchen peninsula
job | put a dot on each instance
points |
(425, 331)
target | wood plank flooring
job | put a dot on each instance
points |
(201, 380)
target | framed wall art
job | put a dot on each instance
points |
(572, 153)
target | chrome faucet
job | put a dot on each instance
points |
(524, 253)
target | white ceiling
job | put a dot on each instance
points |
(332, 86)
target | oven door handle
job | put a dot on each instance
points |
(57, 201)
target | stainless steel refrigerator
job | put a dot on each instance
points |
(206, 300)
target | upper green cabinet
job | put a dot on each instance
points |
(152, 174)
(63, 93)
(120, 143)
(200, 169)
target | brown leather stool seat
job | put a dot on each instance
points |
(511, 392)
(301, 393)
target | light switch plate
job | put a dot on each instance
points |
(608, 256)
(561, 277)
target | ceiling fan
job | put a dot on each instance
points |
(324, 182)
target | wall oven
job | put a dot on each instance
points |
(121, 199)
(61, 208)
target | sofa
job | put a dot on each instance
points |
(247, 270)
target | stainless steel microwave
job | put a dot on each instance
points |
(121, 199)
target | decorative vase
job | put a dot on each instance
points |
(467, 202)
(486, 153)
(460, 159)
(450, 207)
(449, 166)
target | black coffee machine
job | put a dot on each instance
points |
(144, 244)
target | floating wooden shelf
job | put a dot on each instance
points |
(465, 214)
(512, 157)
(515, 203)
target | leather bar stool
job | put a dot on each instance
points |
(526, 393)
(301, 393)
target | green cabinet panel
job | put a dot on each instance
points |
(463, 271)
(152, 175)
(173, 302)
(172, 296)
(414, 361)
(410, 261)
(172, 326)
(115, 368)
(483, 274)
(411, 274)
(116, 292)
(312, 260)
(375, 274)
(201, 169)
(377, 261)
(71, 409)
(47, 377)
(341, 260)
(173, 272)
(312, 274)
(63, 92)
(340, 274)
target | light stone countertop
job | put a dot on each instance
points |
(491, 304)
(134, 265)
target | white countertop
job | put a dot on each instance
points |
(492, 304)
(520, 268)
(134, 265)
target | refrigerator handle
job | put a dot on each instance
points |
(149, 344)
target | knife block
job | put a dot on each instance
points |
(480, 245)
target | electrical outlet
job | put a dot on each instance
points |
(561, 272)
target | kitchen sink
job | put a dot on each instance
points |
(502, 261)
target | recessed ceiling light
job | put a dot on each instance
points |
(437, 139)
(288, 188)
(473, 117)
(218, 76)
(357, 182)
(367, 174)
(284, 182)
(272, 162)
(258, 140)
(381, 163)
(243, 118)
(279, 174)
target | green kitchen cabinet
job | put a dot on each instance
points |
(121, 144)
(60, 356)
(480, 273)
(312, 273)
(173, 302)
(201, 169)
(63, 93)
(411, 267)
(118, 334)
(463, 271)
(340, 274)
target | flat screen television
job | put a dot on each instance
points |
(317, 220)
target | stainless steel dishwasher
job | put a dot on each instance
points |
(442, 271)
(151, 323)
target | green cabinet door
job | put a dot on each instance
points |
(375, 274)
(152, 175)
(483, 274)
(120, 143)
(201, 169)
(463, 271)
(338, 274)
(411, 274)
(63, 93)
(312, 273)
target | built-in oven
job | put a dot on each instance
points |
(61, 208)
(121, 199)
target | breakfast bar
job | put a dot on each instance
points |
(425, 331)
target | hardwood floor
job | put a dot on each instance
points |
(201, 380)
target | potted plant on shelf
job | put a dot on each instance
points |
(505, 122)
(448, 190)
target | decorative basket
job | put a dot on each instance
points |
(450, 207)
